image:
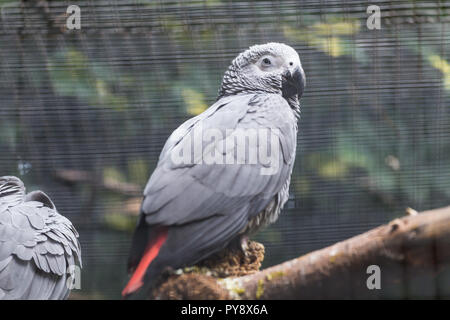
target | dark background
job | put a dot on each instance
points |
(84, 113)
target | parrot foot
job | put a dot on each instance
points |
(244, 245)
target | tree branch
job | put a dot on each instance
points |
(110, 184)
(413, 254)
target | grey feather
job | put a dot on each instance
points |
(37, 244)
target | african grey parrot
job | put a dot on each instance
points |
(38, 246)
(195, 208)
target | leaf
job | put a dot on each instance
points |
(120, 222)
(194, 101)
(112, 173)
(442, 65)
(338, 28)
(334, 169)
(138, 171)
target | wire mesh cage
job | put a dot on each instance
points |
(85, 113)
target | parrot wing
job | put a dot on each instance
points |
(181, 193)
(37, 245)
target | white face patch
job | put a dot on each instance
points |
(270, 63)
(281, 60)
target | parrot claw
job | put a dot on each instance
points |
(244, 245)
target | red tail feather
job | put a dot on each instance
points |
(150, 253)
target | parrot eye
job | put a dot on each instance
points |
(266, 62)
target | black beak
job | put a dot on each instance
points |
(293, 83)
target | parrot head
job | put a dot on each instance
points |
(271, 68)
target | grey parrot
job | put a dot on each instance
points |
(195, 208)
(39, 248)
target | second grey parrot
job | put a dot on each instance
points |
(39, 248)
(193, 209)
